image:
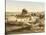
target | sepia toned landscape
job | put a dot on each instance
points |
(24, 17)
(24, 22)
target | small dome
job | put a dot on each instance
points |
(24, 11)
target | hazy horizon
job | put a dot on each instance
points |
(17, 6)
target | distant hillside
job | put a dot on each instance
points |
(12, 13)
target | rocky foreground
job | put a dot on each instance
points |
(25, 23)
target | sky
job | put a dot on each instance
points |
(17, 6)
